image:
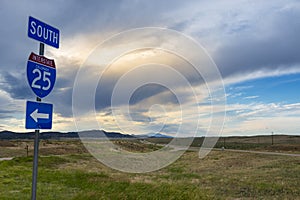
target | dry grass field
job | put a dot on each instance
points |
(67, 171)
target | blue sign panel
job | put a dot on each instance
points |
(38, 115)
(43, 32)
(41, 74)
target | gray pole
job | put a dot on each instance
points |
(27, 150)
(36, 145)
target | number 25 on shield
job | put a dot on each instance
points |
(46, 76)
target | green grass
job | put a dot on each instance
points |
(220, 175)
(241, 146)
(58, 183)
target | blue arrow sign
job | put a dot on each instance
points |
(41, 74)
(38, 115)
(43, 32)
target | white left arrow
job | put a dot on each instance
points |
(35, 115)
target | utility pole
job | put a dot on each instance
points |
(27, 149)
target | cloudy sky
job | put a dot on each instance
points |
(254, 44)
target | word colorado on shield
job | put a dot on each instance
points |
(41, 74)
(43, 32)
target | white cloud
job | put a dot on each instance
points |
(251, 97)
(263, 73)
(259, 118)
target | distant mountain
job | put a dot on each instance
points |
(154, 135)
(9, 135)
(158, 135)
(101, 134)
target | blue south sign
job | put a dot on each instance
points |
(41, 74)
(42, 32)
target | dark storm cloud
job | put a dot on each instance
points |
(275, 46)
(170, 128)
(77, 17)
(62, 100)
(150, 90)
(61, 95)
(105, 90)
(15, 86)
(6, 114)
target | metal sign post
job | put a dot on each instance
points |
(41, 75)
(36, 145)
